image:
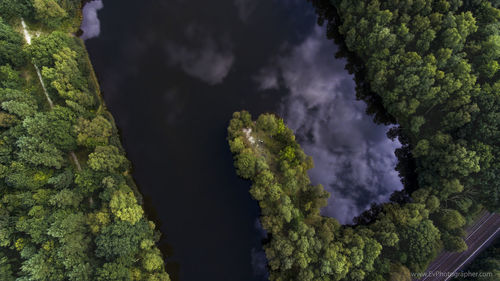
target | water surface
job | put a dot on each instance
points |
(173, 72)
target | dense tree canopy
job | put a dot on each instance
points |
(68, 206)
(10, 46)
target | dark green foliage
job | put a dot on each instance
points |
(56, 127)
(245, 164)
(49, 12)
(66, 80)
(5, 269)
(10, 46)
(43, 48)
(106, 158)
(59, 14)
(449, 219)
(12, 9)
(67, 206)
(38, 152)
(399, 273)
(113, 271)
(454, 243)
(92, 133)
(120, 239)
(419, 244)
(18, 102)
(62, 180)
(9, 78)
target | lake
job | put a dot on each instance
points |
(172, 73)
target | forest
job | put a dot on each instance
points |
(432, 68)
(69, 208)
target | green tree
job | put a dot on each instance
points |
(7, 120)
(10, 45)
(43, 48)
(454, 243)
(152, 261)
(66, 79)
(450, 219)
(245, 164)
(399, 273)
(49, 12)
(38, 152)
(124, 206)
(95, 132)
(16, 8)
(113, 271)
(10, 78)
(56, 127)
(120, 239)
(5, 268)
(420, 244)
(106, 158)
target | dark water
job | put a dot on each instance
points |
(174, 124)
(172, 73)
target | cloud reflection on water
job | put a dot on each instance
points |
(91, 25)
(353, 157)
(203, 56)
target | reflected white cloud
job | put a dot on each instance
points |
(203, 56)
(267, 78)
(90, 23)
(354, 159)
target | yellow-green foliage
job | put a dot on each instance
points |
(124, 206)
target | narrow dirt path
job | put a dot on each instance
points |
(27, 37)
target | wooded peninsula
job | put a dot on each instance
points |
(432, 69)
